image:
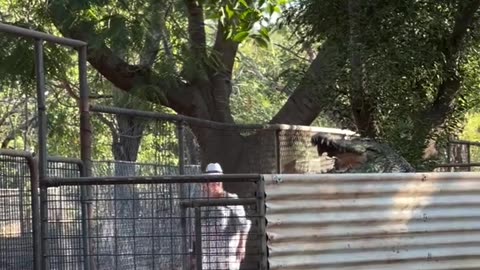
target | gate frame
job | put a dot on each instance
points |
(258, 200)
(34, 186)
(85, 126)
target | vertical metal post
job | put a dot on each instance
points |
(85, 153)
(85, 126)
(181, 147)
(23, 225)
(278, 158)
(468, 157)
(262, 224)
(42, 147)
(36, 227)
(198, 238)
(85, 222)
(449, 146)
(183, 195)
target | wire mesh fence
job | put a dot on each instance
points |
(152, 225)
(178, 143)
(460, 156)
(16, 227)
(64, 236)
(132, 168)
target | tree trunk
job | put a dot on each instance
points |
(126, 143)
(360, 102)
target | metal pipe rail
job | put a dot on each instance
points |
(15, 30)
(123, 180)
(447, 165)
(218, 202)
(213, 124)
(356, 177)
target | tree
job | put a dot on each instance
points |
(419, 48)
(404, 71)
(203, 83)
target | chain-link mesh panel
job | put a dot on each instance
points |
(474, 156)
(261, 150)
(149, 226)
(16, 242)
(191, 148)
(239, 148)
(460, 156)
(129, 168)
(64, 219)
(297, 155)
(136, 227)
(221, 228)
(128, 139)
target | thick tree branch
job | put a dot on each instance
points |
(135, 79)
(294, 53)
(73, 92)
(224, 50)
(167, 46)
(155, 35)
(196, 28)
(450, 87)
(312, 94)
(11, 135)
(111, 127)
(360, 103)
(12, 109)
(220, 74)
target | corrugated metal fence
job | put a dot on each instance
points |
(374, 221)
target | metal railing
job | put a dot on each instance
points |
(20, 239)
(39, 39)
(148, 222)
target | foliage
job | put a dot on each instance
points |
(407, 56)
(471, 132)
(264, 78)
(401, 71)
(126, 28)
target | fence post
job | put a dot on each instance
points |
(21, 202)
(278, 157)
(198, 238)
(262, 224)
(36, 220)
(86, 219)
(42, 148)
(183, 195)
(181, 147)
(468, 157)
(449, 146)
(85, 153)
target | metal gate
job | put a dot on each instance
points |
(19, 215)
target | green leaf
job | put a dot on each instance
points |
(264, 32)
(230, 12)
(244, 3)
(261, 2)
(261, 41)
(270, 9)
(241, 36)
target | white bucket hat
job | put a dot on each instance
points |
(214, 168)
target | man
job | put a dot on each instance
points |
(224, 228)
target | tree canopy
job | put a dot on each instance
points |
(399, 71)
